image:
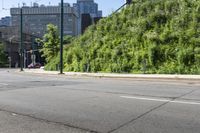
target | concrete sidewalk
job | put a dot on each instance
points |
(112, 75)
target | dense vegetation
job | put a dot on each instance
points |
(3, 57)
(151, 36)
(51, 43)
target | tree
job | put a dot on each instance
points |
(68, 39)
(50, 43)
(3, 57)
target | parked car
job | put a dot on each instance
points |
(35, 65)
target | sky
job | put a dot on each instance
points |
(108, 6)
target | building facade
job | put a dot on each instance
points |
(36, 19)
(5, 21)
(86, 7)
(11, 39)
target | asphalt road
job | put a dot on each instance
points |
(60, 104)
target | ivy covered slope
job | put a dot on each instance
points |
(152, 36)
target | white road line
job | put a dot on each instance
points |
(3, 84)
(161, 100)
(146, 99)
(182, 102)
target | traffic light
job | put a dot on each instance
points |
(128, 2)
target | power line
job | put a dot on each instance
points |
(3, 6)
(37, 0)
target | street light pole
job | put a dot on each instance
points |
(21, 39)
(61, 37)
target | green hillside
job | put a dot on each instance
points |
(149, 36)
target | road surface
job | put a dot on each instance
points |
(33, 103)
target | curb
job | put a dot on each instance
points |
(112, 75)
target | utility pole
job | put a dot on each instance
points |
(21, 40)
(61, 37)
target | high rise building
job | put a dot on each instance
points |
(86, 7)
(36, 18)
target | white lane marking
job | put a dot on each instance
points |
(182, 102)
(13, 114)
(146, 99)
(161, 100)
(3, 84)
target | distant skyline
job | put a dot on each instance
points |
(107, 6)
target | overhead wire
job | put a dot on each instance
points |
(3, 8)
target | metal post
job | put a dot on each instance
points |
(9, 57)
(25, 58)
(61, 38)
(21, 42)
